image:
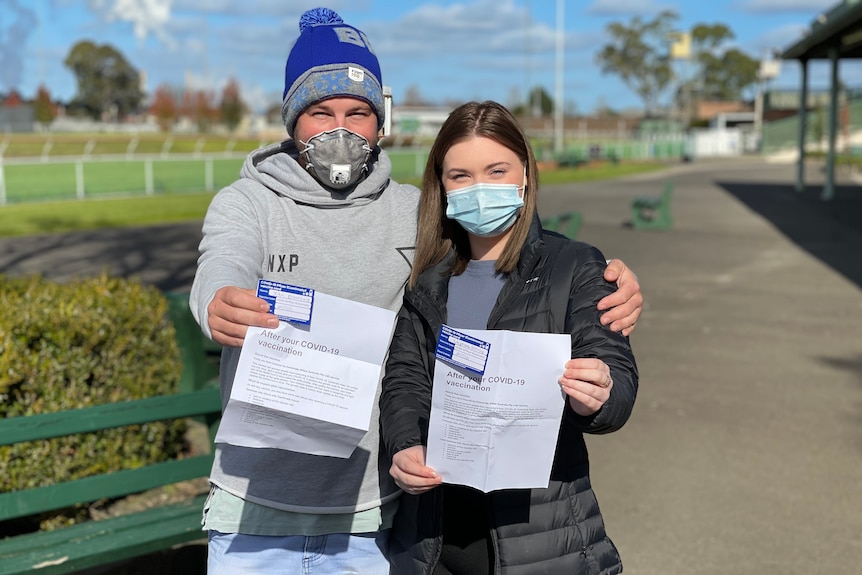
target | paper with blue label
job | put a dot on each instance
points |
(462, 350)
(309, 388)
(498, 429)
(289, 302)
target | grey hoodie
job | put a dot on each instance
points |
(277, 222)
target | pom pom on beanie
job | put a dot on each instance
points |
(329, 59)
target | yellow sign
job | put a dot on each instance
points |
(680, 48)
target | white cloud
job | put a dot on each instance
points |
(775, 6)
(618, 7)
(481, 27)
(15, 27)
(146, 16)
(272, 8)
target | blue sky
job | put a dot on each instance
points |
(446, 50)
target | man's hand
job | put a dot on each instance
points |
(624, 305)
(232, 310)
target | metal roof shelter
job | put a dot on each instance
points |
(834, 35)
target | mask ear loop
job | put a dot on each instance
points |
(303, 155)
(308, 147)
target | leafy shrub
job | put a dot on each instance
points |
(88, 342)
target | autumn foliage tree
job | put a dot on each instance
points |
(198, 106)
(12, 99)
(164, 107)
(232, 107)
(44, 108)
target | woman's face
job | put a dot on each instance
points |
(480, 160)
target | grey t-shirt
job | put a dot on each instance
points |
(472, 295)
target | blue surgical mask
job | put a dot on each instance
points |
(485, 209)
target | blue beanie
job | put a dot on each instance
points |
(329, 59)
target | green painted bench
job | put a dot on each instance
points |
(567, 224)
(653, 212)
(105, 541)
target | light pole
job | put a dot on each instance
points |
(558, 95)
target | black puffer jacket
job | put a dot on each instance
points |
(558, 530)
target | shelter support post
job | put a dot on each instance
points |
(803, 126)
(829, 186)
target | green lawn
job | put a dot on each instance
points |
(600, 172)
(66, 216)
(167, 205)
(35, 182)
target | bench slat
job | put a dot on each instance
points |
(100, 542)
(566, 224)
(60, 423)
(653, 212)
(22, 503)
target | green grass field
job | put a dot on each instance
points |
(121, 188)
(67, 216)
(28, 218)
(33, 182)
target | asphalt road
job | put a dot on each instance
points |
(743, 452)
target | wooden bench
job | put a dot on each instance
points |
(199, 354)
(570, 160)
(101, 542)
(567, 224)
(653, 212)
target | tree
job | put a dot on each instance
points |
(723, 74)
(12, 99)
(164, 107)
(44, 107)
(706, 38)
(539, 104)
(727, 76)
(413, 97)
(198, 106)
(107, 83)
(637, 54)
(232, 107)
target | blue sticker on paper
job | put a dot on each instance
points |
(290, 303)
(462, 350)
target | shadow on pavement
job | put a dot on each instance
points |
(164, 256)
(830, 230)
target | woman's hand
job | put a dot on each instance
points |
(232, 310)
(410, 472)
(624, 305)
(588, 383)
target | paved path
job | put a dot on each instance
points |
(744, 453)
(164, 256)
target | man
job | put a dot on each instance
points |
(318, 211)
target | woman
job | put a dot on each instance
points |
(483, 262)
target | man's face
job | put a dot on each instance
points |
(341, 112)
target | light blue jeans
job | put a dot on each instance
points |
(333, 554)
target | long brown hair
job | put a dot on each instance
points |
(437, 235)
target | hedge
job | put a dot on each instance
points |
(86, 342)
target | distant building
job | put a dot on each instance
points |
(778, 104)
(417, 123)
(710, 109)
(18, 118)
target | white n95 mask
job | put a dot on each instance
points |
(339, 157)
